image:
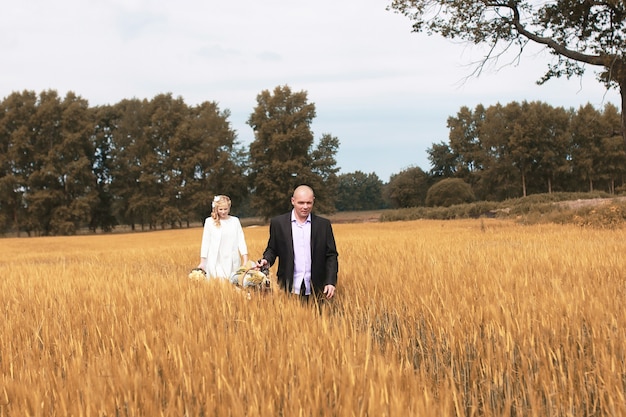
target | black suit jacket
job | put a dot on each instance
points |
(324, 266)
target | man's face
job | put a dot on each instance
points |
(302, 202)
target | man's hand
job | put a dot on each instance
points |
(329, 291)
(261, 263)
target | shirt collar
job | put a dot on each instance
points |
(294, 219)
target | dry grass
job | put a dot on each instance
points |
(480, 317)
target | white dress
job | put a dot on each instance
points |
(222, 247)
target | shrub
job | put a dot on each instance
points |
(448, 192)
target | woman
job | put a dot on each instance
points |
(223, 243)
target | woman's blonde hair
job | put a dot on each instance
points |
(219, 201)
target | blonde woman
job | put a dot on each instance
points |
(223, 243)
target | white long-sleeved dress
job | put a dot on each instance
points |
(223, 247)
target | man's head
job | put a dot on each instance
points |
(302, 201)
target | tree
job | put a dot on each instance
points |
(614, 163)
(208, 160)
(492, 148)
(544, 136)
(42, 145)
(60, 190)
(465, 140)
(477, 152)
(157, 192)
(324, 169)
(586, 144)
(448, 192)
(499, 180)
(408, 188)
(79, 183)
(281, 156)
(16, 153)
(613, 158)
(359, 191)
(127, 151)
(102, 215)
(443, 161)
(576, 32)
(170, 160)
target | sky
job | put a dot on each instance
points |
(385, 92)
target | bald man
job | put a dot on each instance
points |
(305, 246)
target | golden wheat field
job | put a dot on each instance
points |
(432, 318)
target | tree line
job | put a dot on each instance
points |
(517, 149)
(158, 163)
(149, 163)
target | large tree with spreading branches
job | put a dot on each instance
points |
(576, 32)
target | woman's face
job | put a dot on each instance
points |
(222, 211)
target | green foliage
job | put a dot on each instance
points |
(358, 191)
(595, 210)
(518, 149)
(408, 188)
(282, 155)
(576, 32)
(279, 154)
(324, 168)
(458, 211)
(443, 160)
(52, 166)
(448, 192)
(169, 160)
(605, 216)
(66, 166)
(545, 203)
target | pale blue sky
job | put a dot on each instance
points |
(385, 92)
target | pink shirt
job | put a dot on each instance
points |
(301, 254)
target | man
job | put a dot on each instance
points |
(305, 246)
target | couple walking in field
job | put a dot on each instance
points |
(303, 243)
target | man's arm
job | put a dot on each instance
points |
(332, 264)
(271, 253)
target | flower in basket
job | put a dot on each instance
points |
(197, 274)
(247, 276)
